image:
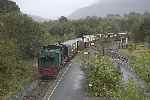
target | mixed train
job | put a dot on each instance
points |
(53, 58)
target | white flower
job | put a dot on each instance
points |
(90, 85)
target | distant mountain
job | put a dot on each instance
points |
(105, 7)
(38, 18)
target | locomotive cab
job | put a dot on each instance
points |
(49, 61)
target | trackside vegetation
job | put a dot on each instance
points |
(103, 77)
(130, 92)
(142, 66)
(105, 81)
(140, 61)
(20, 38)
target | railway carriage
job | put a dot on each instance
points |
(80, 44)
(71, 44)
(89, 40)
(65, 54)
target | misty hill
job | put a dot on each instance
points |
(38, 18)
(105, 7)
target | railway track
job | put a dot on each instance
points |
(45, 87)
(55, 84)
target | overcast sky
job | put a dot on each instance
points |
(52, 9)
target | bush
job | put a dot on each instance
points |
(103, 77)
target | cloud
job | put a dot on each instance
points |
(52, 8)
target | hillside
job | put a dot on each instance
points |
(105, 7)
(7, 6)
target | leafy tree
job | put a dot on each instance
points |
(22, 28)
(20, 37)
(7, 6)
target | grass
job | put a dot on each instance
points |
(140, 50)
(130, 92)
(139, 59)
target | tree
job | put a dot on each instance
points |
(145, 29)
(63, 19)
(27, 33)
(20, 37)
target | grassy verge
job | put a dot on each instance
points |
(140, 62)
(130, 92)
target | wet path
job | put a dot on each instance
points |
(127, 72)
(71, 85)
